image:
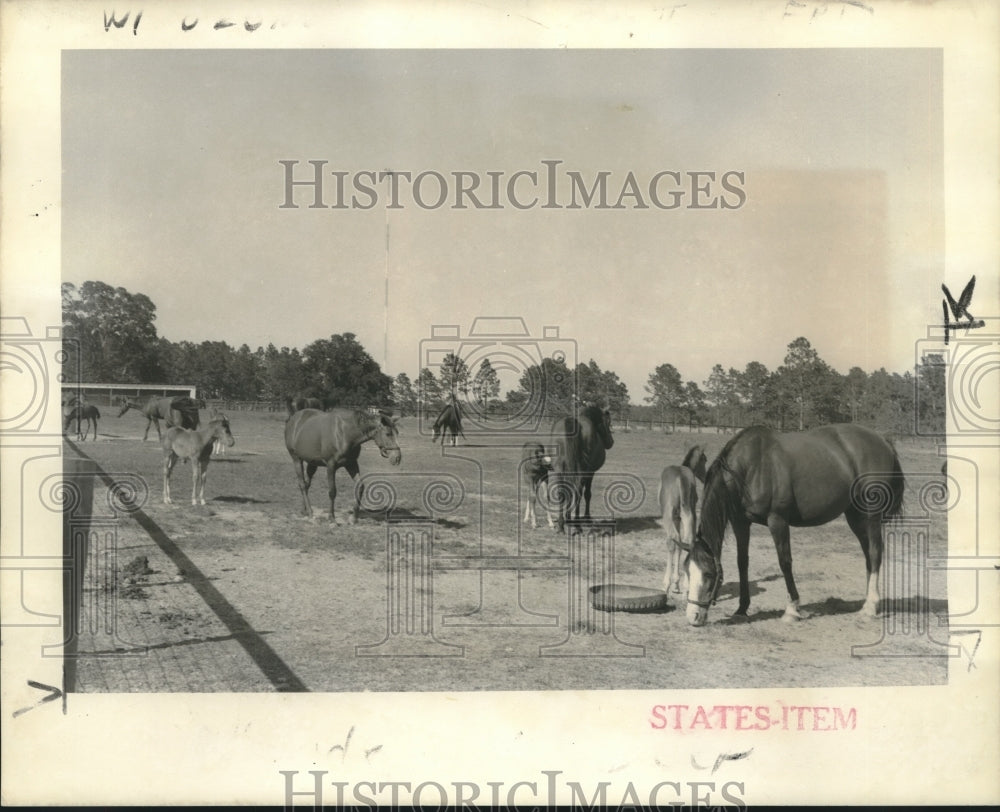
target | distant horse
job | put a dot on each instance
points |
(799, 479)
(535, 468)
(333, 439)
(581, 443)
(194, 445)
(80, 413)
(181, 412)
(678, 500)
(218, 447)
(298, 403)
(449, 422)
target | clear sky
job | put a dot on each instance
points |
(172, 187)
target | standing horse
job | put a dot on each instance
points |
(535, 468)
(80, 413)
(333, 439)
(678, 500)
(449, 422)
(194, 445)
(799, 479)
(580, 443)
(174, 411)
(218, 447)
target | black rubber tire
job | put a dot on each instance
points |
(627, 598)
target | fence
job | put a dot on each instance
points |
(111, 394)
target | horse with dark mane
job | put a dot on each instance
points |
(298, 403)
(181, 412)
(449, 422)
(580, 445)
(799, 479)
(678, 499)
(333, 439)
(80, 412)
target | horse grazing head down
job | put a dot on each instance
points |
(704, 581)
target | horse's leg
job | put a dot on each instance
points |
(869, 532)
(352, 468)
(671, 578)
(204, 477)
(782, 544)
(742, 532)
(331, 486)
(168, 467)
(529, 508)
(670, 574)
(195, 479)
(543, 488)
(304, 483)
(562, 510)
(587, 482)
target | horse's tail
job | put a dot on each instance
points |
(897, 483)
(97, 413)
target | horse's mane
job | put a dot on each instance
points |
(721, 498)
(591, 412)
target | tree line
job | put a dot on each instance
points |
(109, 336)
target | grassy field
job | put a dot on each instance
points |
(246, 594)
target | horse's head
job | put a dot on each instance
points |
(604, 428)
(696, 461)
(220, 429)
(704, 572)
(125, 407)
(385, 438)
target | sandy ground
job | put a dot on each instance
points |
(245, 594)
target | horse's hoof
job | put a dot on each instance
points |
(794, 613)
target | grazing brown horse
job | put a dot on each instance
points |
(799, 479)
(333, 439)
(297, 404)
(678, 500)
(181, 412)
(449, 422)
(79, 413)
(194, 445)
(535, 468)
(580, 443)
